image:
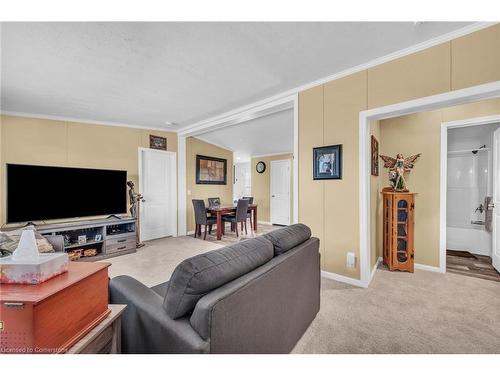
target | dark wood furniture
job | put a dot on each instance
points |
(105, 338)
(221, 210)
(398, 230)
(52, 316)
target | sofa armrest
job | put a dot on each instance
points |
(146, 327)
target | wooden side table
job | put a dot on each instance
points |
(105, 338)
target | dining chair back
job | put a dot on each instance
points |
(250, 199)
(242, 210)
(214, 202)
(200, 212)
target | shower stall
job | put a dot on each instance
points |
(470, 189)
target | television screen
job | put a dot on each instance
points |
(44, 193)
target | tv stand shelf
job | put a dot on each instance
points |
(110, 237)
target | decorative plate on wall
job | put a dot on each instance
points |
(260, 167)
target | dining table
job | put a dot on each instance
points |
(223, 209)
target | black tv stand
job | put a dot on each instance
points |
(114, 217)
(29, 223)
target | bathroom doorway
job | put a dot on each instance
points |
(472, 177)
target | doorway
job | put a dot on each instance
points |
(472, 186)
(158, 185)
(280, 192)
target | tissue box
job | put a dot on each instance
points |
(32, 272)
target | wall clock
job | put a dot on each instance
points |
(260, 167)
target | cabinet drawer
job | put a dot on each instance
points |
(120, 246)
(119, 240)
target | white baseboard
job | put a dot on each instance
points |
(425, 267)
(379, 260)
(264, 222)
(342, 279)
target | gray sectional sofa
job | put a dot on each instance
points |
(256, 296)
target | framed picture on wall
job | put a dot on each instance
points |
(210, 170)
(327, 163)
(374, 156)
(157, 143)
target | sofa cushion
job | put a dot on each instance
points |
(288, 237)
(197, 276)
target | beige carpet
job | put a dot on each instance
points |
(424, 312)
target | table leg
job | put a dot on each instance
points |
(255, 219)
(219, 225)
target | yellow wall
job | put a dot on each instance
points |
(328, 114)
(195, 147)
(61, 143)
(261, 186)
(421, 133)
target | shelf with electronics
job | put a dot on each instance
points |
(92, 240)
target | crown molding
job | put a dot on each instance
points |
(84, 121)
(272, 154)
(232, 116)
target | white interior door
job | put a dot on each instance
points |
(157, 183)
(242, 181)
(280, 192)
(495, 254)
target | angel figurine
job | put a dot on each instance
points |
(397, 168)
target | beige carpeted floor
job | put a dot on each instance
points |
(424, 312)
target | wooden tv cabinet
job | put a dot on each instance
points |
(117, 236)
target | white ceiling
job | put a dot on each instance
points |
(148, 73)
(271, 134)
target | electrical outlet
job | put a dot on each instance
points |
(351, 260)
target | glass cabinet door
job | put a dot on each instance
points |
(402, 230)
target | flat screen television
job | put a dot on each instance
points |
(45, 193)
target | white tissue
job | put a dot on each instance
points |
(27, 248)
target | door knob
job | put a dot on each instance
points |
(491, 206)
(272, 196)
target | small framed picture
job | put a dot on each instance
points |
(157, 143)
(327, 163)
(374, 156)
(98, 237)
(82, 239)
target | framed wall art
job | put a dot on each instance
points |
(210, 170)
(374, 156)
(327, 163)
(157, 143)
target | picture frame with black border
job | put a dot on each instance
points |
(327, 162)
(211, 170)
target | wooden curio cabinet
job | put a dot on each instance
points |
(399, 208)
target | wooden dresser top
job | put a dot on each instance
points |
(35, 293)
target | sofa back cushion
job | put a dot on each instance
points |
(197, 276)
(286, 238)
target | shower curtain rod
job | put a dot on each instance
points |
(468, 150)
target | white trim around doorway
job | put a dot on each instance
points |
(457, 97)
(264, 108)
(445, 126)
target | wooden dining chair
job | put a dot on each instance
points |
(201, 218)
(240, 217)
